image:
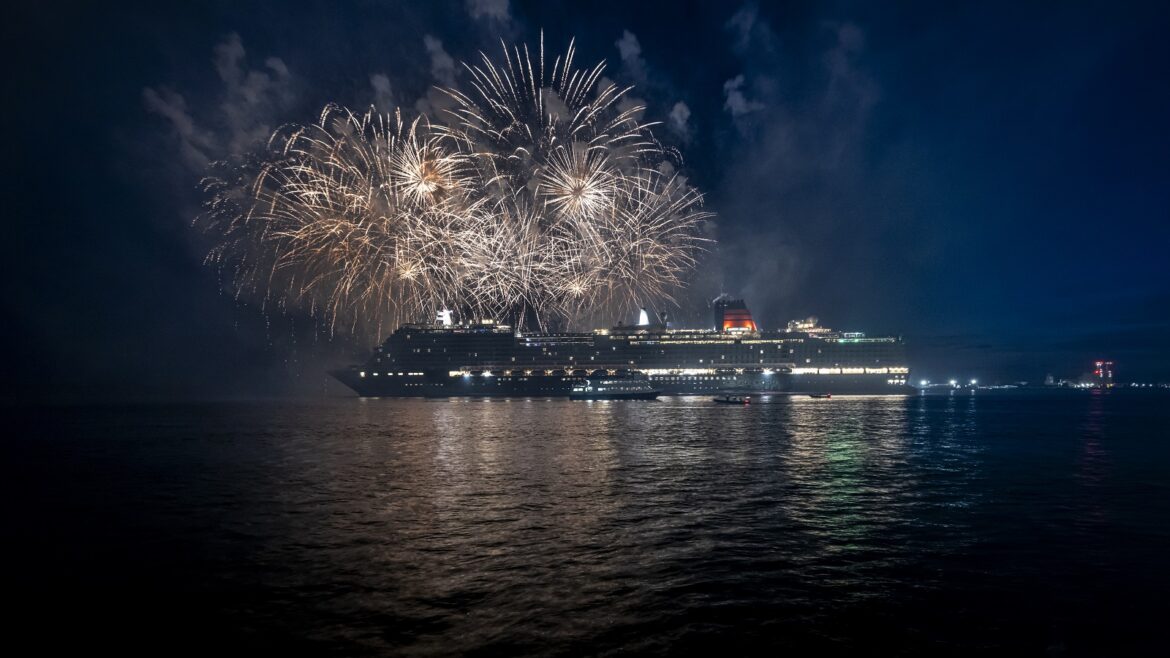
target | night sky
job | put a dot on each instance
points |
(990, 180)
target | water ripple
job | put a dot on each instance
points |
(420, 527)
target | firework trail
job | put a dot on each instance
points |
(536, 198)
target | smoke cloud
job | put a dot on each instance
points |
(442, 64)
(489, 10)
(680, 115)
(494, 18)
(383, 92)
(631, 54)
(194, 143)
(737, 104)
(807, 253)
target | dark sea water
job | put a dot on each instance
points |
(868, 525)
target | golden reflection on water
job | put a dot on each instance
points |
(836, 467)
(691, 478)
(532, 457)
(442, 526)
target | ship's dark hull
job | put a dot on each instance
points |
(443, 385)
(641, 395)
(485, 385)
(847, 385)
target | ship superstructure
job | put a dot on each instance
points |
(486, 358)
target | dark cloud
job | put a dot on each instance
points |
(250, 103)
(434, 103)
(195, 144)
(490, 10)
(495, 18)
(737, 103)
(749, 32)
(922, 168)
(654, 90)
(778, 248)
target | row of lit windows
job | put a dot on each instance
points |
(656, 359)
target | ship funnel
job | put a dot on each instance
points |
(643, 318)
(731, 314)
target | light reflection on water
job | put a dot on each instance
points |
(526, 525)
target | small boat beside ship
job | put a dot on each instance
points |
(732, 399)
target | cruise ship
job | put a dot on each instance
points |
(485, 358)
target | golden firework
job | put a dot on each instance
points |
(539, 196)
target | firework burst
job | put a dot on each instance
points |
(539, 196)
